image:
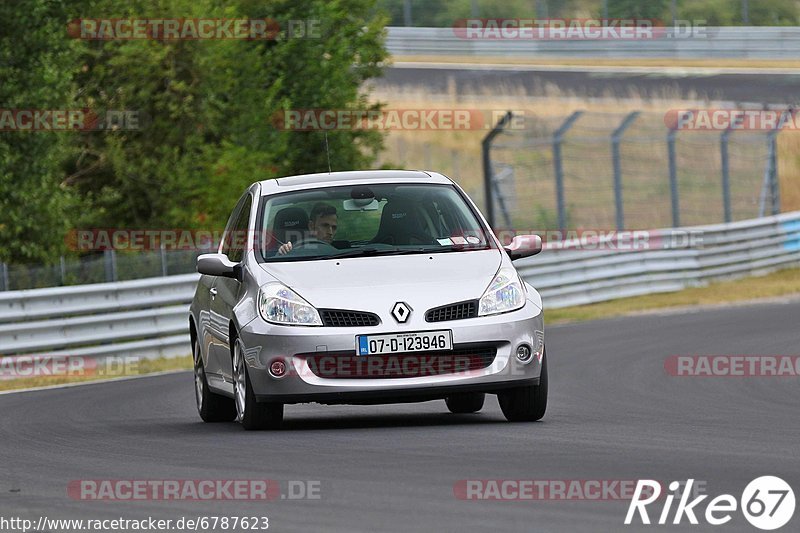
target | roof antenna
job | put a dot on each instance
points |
(328, 152)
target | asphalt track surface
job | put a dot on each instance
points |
(614, 414)
(750, 87)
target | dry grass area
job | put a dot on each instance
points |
(789, 170)
(784, 283)
(458, 153)
(604, 62)
(141, 368)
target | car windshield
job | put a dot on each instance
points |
(367, 220)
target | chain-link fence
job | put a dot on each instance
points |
(628, 171)
(98, 268)
(586, 170)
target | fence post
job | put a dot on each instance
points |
(558, 137)
(501, 199)
(772, 161)
(673, 179)
(163, 253)
(407, 13)
(111, 265)
(726, 179)
(616, 137)
(488, 177)
(4, 276)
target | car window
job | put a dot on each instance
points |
(225, 245)
(378, 219)
(238, 240)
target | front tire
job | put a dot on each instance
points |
(526, 404)
(211, 407)
(252, 415)
(468, 402)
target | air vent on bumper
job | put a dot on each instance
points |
(335, 318)
(456, 311)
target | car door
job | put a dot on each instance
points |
(216, 324)
(227, 291)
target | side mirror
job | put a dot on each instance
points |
(219, 265)
(524, 246)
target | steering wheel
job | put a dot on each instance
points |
(311, 241)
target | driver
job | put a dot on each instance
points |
(322, 225)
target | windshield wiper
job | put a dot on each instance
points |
(372, 252)
(367, 252)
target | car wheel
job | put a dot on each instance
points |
(211, 407)
(468, 402)
(251, 414)
(526, 404)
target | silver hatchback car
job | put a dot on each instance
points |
(361, 288)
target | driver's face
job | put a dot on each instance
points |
(324, 227)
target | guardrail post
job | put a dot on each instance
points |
(62, 264)
(111, 265)
(616, 137)
(673, 179)
(4, 276)
(558, 137)
(726, 178)
(488, 175)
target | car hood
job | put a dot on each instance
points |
(375, 283)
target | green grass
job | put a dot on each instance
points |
(140, 368)
(781, 283)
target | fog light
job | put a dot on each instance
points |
(277, 368)
(524, 353)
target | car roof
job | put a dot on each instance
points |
(354, 177)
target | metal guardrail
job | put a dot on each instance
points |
(750, 247)
(149, 318)
(747, 42)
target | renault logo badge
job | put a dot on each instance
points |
(401, 311)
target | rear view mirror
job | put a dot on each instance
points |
(361, 204)
(219, 265)
(524, 246)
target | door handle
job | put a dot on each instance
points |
(213, 292)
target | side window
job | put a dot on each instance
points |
(225, 245)
(228, 236)
(238, 239)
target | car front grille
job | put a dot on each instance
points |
(346, 319)
(348, 365)
(457, 311)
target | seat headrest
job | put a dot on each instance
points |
(290, 224)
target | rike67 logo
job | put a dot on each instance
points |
(767, 503)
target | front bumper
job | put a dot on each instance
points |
(264, 343)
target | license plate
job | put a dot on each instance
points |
(424, 341)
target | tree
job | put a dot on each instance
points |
(208, 106)
(627, 9)
(205, 108)
(36, 72)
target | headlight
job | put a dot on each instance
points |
(281, 305)
(504, 294)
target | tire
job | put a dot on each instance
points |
(526, 404)
(212, 407)
(468, 402)
(253, 415)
